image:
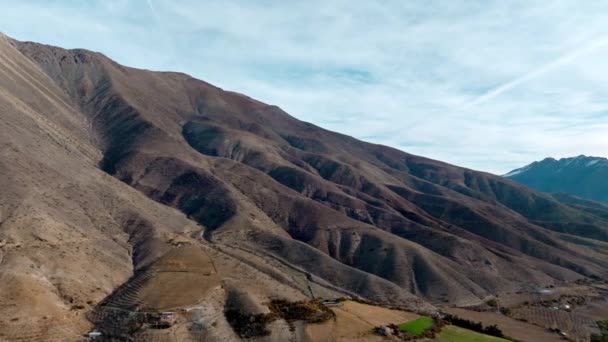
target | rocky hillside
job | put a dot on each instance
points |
(581, 176)
(107, 169)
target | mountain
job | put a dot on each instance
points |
(580, 176)
(127, 191)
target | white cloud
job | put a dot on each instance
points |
(568, 58)
(490, 85)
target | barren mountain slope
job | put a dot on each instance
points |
(231, 162)
(282, 197)
(71, 235)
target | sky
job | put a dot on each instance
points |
(489, 85)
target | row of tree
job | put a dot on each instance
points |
(492, 330)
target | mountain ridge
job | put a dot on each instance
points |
(246, 182)
(581, 176)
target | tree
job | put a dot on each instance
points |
(603, 336)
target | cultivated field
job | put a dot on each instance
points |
(453, 333)
(355, 321)
(513, 328)
(418, 326)
(182, 277)
(578, 327)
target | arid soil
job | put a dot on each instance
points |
(355, 322)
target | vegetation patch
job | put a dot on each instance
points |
(491, 330)
(453, 333)
(418, 326)
(603, 336)
(247, 326)
(308, 311)
(423, 327)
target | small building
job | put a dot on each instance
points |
(385, 331)
(330, 303)
(95, 334)
(167, 318)
(162, 320)
(437, 315)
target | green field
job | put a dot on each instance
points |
(418, 326)
(453, 333)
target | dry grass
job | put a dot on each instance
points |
(182, 278)
(355, 322)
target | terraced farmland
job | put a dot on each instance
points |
(576, 326)
(180, 278)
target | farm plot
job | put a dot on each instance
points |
(513, 328)
(576, 326)
(453, 333)
(355, 322)
(418, 326)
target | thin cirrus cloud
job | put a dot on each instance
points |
(489, 85)
(570, 57)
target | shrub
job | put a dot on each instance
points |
(603, 336)
(247, 326)
(492, 302)
(308, 311)
(491, 330)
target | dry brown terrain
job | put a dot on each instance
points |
(174, 274)
(355, 322)
(127, 192)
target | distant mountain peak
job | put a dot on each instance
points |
(520, 170)
(582, 176)
(583, 161)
